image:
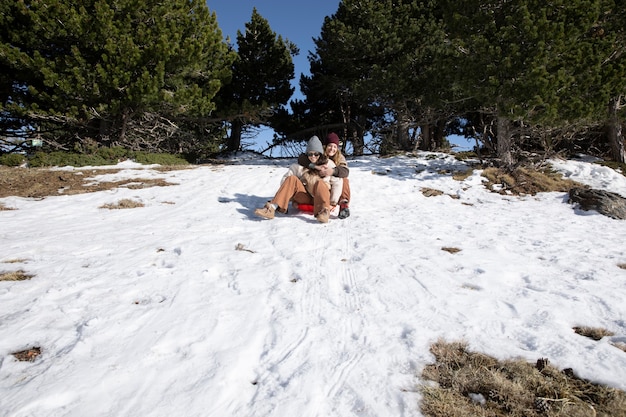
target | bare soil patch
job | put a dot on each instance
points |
(42, 182)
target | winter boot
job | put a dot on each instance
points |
(323, 215)
(266, 212)
(344, 210)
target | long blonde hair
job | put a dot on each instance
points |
(336, 157)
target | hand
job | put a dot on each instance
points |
(325, 171)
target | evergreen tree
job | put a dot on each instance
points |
(374, 65)
(608, 38)
(338, 66)
(94, 66)
(261, 77)
(522, 61)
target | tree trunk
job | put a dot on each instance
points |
(615, 132)
(504, 141)
(122, 134)
(358, 144)
(403, 135)
(427, 143)
(439, 133)
(234, 141)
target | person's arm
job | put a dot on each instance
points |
(303, 160)
(342, 171)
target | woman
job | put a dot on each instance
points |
(304, 185)
(340, 170)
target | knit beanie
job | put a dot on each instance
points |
(314, 145)
(332, 138)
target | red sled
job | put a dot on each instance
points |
(308, 208)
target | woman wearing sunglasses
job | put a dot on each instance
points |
(304, 185)
(332, 151)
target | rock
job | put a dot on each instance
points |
(604, 202)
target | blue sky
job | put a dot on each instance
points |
(298, 21)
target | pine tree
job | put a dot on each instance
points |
(261, 77)
(96, 65)
(527, 61)
(374, 64)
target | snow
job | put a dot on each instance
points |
(192, 306)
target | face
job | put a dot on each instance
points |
(313, 156)
(331, 149)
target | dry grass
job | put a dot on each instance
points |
(125, 203)
(241, 247)
(431, 192)
(3, 207)
(595, 333)
(525, 181)
(473, 384)
(15, 276)
(462, 175)
(42, 182)
(620, 345)
(621, 265)
(28, 355)
(451, 249)
(15, 261)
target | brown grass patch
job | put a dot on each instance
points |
(622, 265)
(474, 384)
(3, 207)
(525, 181)
(431, 192)
(620, 345)
(28, 355)
(125, 203)
(462, 175)
(15, 276)
(450, 249)
(42, 182)
(595, 333)
(241, 247)
(15, 261)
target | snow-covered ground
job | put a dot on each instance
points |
(192, 306)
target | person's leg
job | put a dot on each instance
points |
(344, 201)
(321, 201)
(291, 188)
(303, 198)
(345, 192)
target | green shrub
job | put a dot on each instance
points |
(116, 153)
(43, 159)
(462, 156)
(12, 159)
(103, 156)
(159, 158)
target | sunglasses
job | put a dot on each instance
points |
(313, 154)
